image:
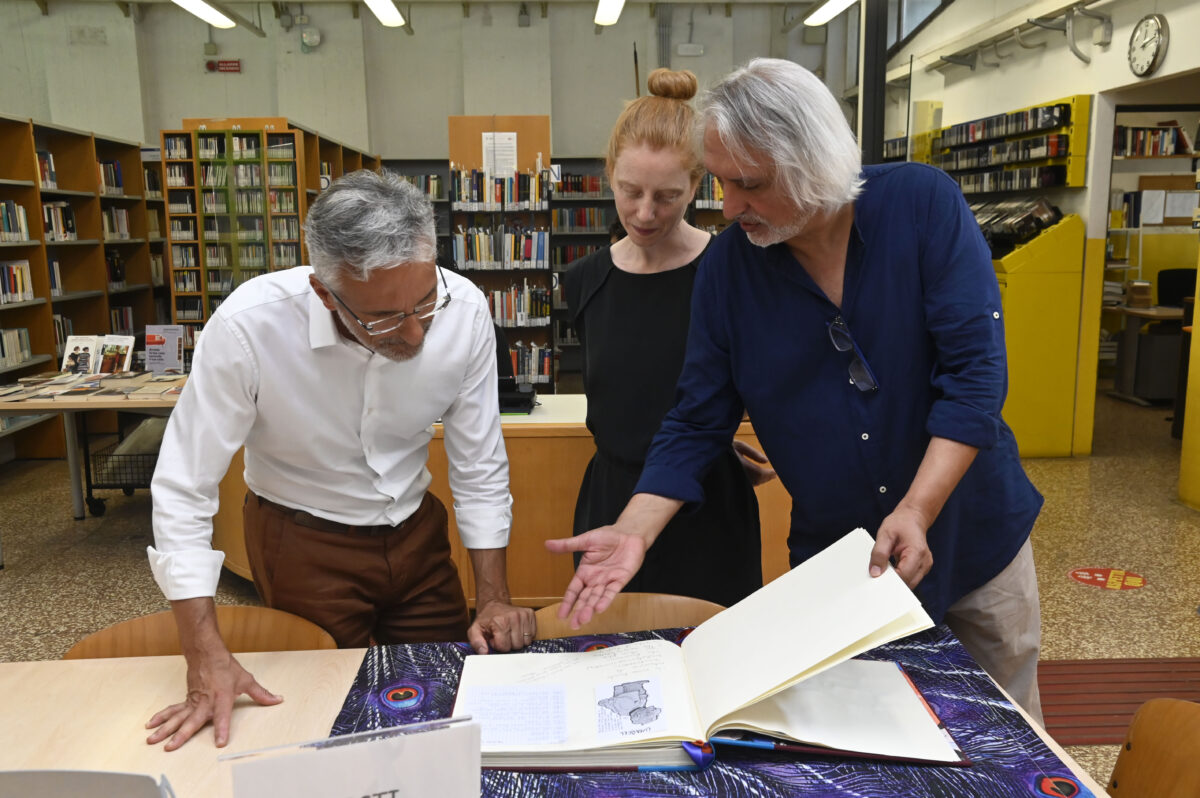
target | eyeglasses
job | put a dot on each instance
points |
(391, 323)
(861, 375)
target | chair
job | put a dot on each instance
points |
(1160, 752)
(243, 628)
(1174, 285)
(630, 612)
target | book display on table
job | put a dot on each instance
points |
(500, 236)
(647, 704)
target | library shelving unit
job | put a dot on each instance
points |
(501, 231)
(75, 204)
(1043, 146)
(156, 229)
(895, 149)
(237, 191)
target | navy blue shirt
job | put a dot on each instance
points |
(921, 300)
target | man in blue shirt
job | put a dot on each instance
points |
(854, 313)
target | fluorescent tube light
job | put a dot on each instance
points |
(827, 11)
(608, 11)
(386, 12)
(206, 12)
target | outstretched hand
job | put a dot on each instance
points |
(610, 559)
(213, 683)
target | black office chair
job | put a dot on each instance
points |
(1172, 285)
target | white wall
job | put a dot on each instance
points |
(76, 67)
(414, 82)
(367, 86)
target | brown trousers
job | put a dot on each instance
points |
(362, 585)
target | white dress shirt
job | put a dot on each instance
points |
(328, 426)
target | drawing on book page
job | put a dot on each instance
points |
(628, 709)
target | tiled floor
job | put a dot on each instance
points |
(1115, 509)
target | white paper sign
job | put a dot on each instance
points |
(438, 759)
(500, 154)
(1181, 204)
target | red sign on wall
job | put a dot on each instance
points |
(1109, 578)
(233, 65)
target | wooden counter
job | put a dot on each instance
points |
(548, 451)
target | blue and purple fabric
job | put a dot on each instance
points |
(411, 683)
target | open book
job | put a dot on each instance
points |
(743, 670)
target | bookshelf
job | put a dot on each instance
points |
(1043, 146)
(236, 193)
(75, 222)
(501, 230)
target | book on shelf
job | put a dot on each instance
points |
(15, 348)
(14, 224)
(47, 177)
(111, 181)
(740, 676)
(59, 220)
(16, 282)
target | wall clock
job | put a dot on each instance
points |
(1148, 44)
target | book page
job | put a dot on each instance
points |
(868, 707)
(823, 611)
(577, 701)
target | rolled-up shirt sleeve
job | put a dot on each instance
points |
(964, 316)
(208, 425)
(478, 462)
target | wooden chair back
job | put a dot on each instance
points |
(1161, 751)
(630, 612)
(243, 628)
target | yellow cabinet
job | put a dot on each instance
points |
(1040, 285)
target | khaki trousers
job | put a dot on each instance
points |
(1000, 625)
(361, 584)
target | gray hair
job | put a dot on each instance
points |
(780, 110)
(366, 221)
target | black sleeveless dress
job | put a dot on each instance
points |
(633, 332)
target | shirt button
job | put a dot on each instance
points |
(883, 488)
(865, 436)
(851, 380)
(995, 314)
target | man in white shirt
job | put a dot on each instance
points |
(332, 377)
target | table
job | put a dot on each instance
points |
(90, 714)
(1134, 319)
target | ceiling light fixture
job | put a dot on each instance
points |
(826, 11)
(386, 12)
(206, 12)
(608, 11)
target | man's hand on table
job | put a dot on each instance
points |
(502, 626)
(214, 681)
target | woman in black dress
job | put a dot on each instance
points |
(630, 305)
